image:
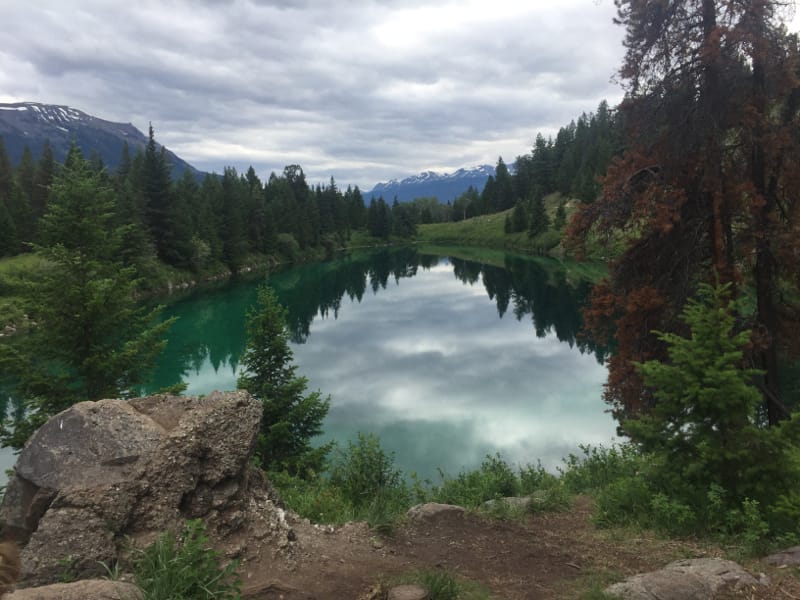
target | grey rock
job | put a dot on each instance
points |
(520, 503)
(786, 558)
(693, 579)
(408, 592)
(434, 511)
(90, 589)
(102, 473)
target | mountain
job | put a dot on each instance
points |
(32, 123)
(446, 187)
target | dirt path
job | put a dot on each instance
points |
(548, 556)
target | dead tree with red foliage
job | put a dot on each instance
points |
(706, 188)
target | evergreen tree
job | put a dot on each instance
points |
(92, 341)
(290, 419)
(233, 232)
(518, 219)
(403, 222)
(503, 192)
(539, 220)
(25, 181)
(166, 216)
(9, 242)
(705, 428)
(45, 171)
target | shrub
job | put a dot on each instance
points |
(314, 499)
(599, 466)
(625, 501)
(672, 517)
(494, 479)
(185, 568)
(287, 246)
(552, 497)
(364, 471)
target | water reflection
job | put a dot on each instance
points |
(410, 347)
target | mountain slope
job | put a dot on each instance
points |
(32, 123)
(446, 187)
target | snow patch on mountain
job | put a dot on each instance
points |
(444, 186)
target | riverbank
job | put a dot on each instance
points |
(481, 238)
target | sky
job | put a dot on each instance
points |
(363, 90)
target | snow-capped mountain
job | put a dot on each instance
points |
(444, 186)
(31, 123)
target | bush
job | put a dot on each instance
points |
(494, 479)
(553, 497)
(185, 568)
(600, 466)
(623, 502)
(364, 471)
(672, 517)
(314, 499)
(287, 246)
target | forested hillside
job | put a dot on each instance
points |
(220, 221)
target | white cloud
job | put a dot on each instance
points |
(365, 91)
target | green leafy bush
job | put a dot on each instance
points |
(625, 501)
(494, 479)
(599, 466)
(364, 471)
(185, 568)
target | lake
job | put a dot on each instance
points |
(445, 359)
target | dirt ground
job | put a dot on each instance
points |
(545, 556)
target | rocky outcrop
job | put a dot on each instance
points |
(786, 558)
(693, 579)
(90, 589)
(433, 511)
(101, 474)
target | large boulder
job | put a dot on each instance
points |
(690, 579)
(90, 589)
(102, 475)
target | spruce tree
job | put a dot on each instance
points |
(539, 219)
(704, 428)
(92, 341)
(45, 171)
(9, 243)
(290, 419)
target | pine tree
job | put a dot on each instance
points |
(518, 219)
(705, 428)
(45, 171)
(9, 242)
(291, 419)
(25, 181)
(539, 219)
(92, 340)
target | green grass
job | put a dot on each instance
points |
(185, 567)
(489, 230)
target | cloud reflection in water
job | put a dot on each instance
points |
(428, 366)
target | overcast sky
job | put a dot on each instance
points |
(361, 90)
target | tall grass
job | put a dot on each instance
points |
(185, 567)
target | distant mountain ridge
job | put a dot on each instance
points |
(31, 123)
(446, 187)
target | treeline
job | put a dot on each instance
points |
(223, 219)
(189, 224)
(571, 165)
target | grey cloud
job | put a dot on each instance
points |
(364, 91)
